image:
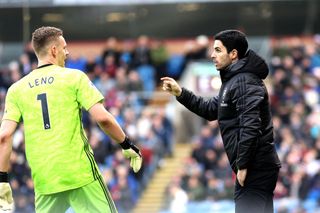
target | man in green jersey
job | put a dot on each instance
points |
(49, 102)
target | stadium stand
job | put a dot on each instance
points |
(201, 180)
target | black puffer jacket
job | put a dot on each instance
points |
(243, 112)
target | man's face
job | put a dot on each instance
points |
(61, 51)
(221, 58)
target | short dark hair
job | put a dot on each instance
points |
(42, 36)
(233, 39)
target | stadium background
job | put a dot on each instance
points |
(125, 46)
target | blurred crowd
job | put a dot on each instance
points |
(294, 89)
(126, 73)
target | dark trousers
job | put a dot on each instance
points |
(256, 196)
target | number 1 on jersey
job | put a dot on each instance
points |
(45, 113)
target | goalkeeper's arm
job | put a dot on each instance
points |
(111, 127)
(6, 132)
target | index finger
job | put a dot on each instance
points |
(166, 78)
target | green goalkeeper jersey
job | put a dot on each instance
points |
(49, 102)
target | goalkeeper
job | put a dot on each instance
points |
(49, 102)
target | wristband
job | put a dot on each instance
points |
(126, 144)
(4, 177)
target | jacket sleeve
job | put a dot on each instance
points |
(248, 96)
(207, 109)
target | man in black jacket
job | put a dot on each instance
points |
(243, 111)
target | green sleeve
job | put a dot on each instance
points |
(11, 111)
(87, 93)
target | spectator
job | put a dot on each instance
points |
(111, 49)
(142, 54)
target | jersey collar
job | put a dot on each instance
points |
(45, 65)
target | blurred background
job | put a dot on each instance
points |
(125, 46)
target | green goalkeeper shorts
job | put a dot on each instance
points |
(93, 197)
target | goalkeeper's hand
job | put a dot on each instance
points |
(131, 151)
(6, 200)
